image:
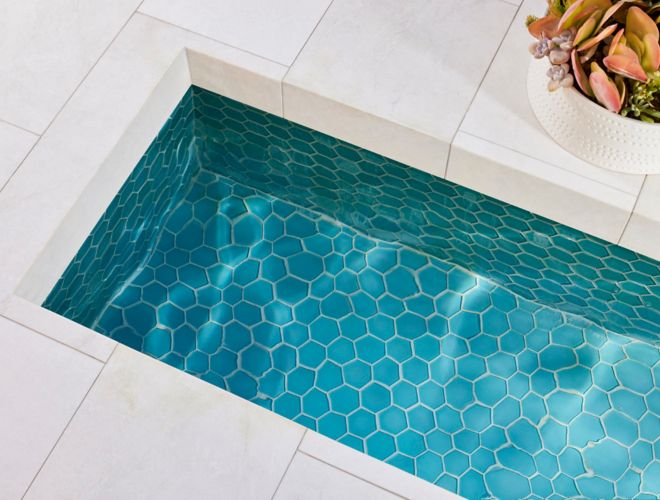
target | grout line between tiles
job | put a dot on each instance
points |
(71, 95)
(300, 52)
(98, 375)
(215, 40)
(289, 464)
(352, 473)
(4, 316)
(632, 210)
(31, 132)
(481, 82)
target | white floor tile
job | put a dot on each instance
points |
(147, 430)
(371, 469)
(417, 63)
(276, 30)
(47, 48)
(309, 478)
(14, 146)
(41, 383)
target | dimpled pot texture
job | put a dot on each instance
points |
(589, 131)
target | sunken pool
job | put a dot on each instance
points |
(466, 341)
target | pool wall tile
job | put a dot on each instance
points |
(534, 257)
(128, 229)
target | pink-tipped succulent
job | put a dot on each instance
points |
(609, 51)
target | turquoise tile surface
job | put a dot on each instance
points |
(329, 284)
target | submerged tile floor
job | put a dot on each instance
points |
(397, 353)
(479, 391)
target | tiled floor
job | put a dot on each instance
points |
(75, 74)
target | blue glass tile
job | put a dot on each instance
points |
(421, 419)
(411, 325)
(641, 454)
(242, 384)
(564, 406)
(315, 403)
(272, 384)
(381, 445)
(157, 342)
(288, 405)
(607, 459)
(344, 400)
(477, 417)
(370, 349)
(595, 487)
(651, 479)
(329, 376)
(291, 290)
(311, 354)
(628, 402)
(429, 466)
(555, 435)
(362, 423)
(628, 485)
(570, 462)
(357, 374)
(525, 436)
(507, 484)
(634, 375)
(471, 367)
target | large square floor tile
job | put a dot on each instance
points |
(147, 430)
(42, 383)
(48, 46)
(276, 30)
(416, 63)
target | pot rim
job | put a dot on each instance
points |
(600, 109)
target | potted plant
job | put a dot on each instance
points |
(594, 83)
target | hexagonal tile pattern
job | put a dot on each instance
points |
(401, 354)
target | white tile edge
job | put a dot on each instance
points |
(370, 469)
(543, 171)
(74, 228)
(210, 73)
(57, 328)
(382, 136)
(569, 202)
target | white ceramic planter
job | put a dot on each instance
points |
(589, 131)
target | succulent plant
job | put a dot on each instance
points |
(609, 51)
(644, 100)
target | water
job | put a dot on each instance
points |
(385, 347)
